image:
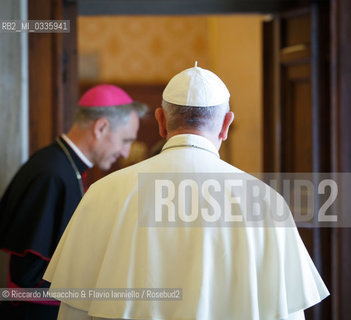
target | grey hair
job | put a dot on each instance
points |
(117, 115)
(198, 118)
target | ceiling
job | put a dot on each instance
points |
(169, 7)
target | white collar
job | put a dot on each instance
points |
(190, 140)
(79, 153)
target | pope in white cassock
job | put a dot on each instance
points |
(224, 272)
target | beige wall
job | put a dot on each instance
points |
(151, 49)
(236, 56)
(148, 49)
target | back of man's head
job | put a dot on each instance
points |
(209, 119)
(195, 99)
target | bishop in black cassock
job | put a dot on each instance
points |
(34, 212)
(40, 200)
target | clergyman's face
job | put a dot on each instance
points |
(116, 143)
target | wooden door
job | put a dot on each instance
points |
(53, 73)
(296, 113)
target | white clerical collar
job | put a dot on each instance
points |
(192, 141)
(79, 153)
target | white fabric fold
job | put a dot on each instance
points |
(241, 273)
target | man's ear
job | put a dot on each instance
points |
(100, 127)
(161, 120)
(228, 119)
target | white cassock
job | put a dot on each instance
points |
(239, 273)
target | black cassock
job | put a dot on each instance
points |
(34, 211)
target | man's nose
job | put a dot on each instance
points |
(125, 151)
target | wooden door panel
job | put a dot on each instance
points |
(53, 87)
(297, 145)
(293, 76)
